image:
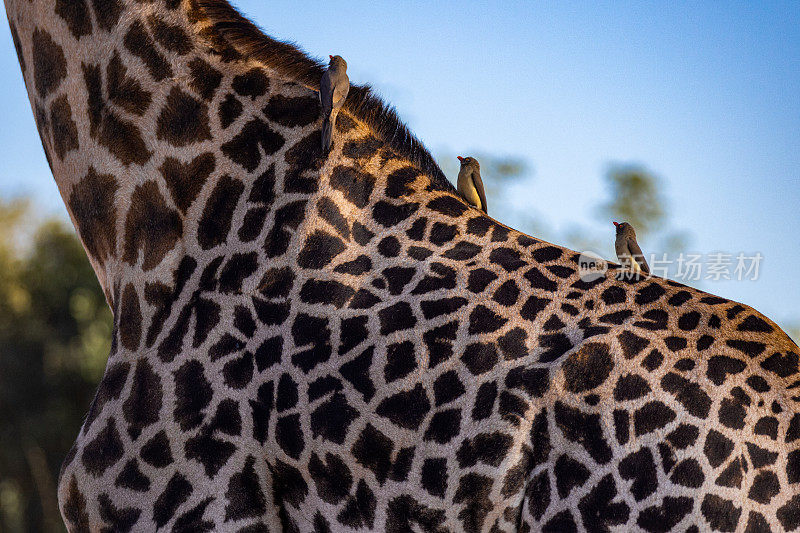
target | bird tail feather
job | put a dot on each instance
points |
(327, 132)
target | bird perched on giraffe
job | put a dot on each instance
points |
(470, 185)
(333, 89)
(628, 251)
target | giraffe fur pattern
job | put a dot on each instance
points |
(338, 342)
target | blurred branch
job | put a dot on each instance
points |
(37, 462)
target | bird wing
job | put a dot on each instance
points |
(325, 92)
(621, 248)
(637, 255)
(340, 90)
(476, 181)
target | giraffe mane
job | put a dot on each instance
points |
(286, 58)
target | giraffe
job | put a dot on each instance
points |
(338, 342)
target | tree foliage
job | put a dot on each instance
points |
(636, 197)
(55, 330)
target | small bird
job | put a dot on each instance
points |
(628, 252)
(333, 89)
(470, 186)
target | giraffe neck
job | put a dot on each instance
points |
(122, 95)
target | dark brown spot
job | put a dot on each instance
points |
(356, 186)
(123, 90)
(139, 43)
(229, 110)
(253, 83)
(245, 148)
(588, 368)
(151, 226)
(170, 36)
(122, 138)
(76, 15)
(107, 13)
(75, 507)
(92, 204)
(205, 78)
(292, 112)
(65, 132)
(363, 148)
(130, 318)
(185, 181)
(217, 215)
(303, 156)
(49, 63)
(183, 120)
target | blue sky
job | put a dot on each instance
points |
(705, 95)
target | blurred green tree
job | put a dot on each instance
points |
(55, 331)
(636, 197)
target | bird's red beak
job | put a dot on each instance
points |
(616, 224)
(460, 158)
(330, 56)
